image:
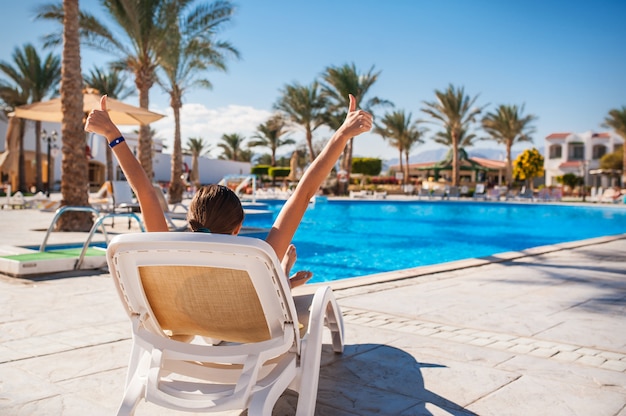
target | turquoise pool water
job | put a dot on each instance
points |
(339, 238)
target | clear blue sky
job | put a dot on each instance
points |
(564, 60)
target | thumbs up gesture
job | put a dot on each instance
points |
(99, 122)
(357, 121)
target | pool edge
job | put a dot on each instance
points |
(421, 271)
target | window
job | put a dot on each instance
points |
(599, 150)
(555, 151)
(576, 151)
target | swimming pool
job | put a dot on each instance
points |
(344, 238)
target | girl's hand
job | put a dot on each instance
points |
(357, 121)
(99, 122)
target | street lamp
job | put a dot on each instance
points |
(49, 139)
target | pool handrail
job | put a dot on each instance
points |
(58, 214)
(97, 223)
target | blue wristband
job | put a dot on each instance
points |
(116, 142)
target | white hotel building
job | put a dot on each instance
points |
(580, 154)
(210, 170)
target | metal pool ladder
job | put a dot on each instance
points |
(97, 223)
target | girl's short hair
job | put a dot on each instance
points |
(216, 209)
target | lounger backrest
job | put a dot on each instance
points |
(207, 301)
(162, 201)
(122, 193)
(225, 287)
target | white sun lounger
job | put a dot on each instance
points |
(214, 324)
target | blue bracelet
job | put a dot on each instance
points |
(116, 142)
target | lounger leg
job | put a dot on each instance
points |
(334, 322)
(263, 402)
(135, 391)
(309, 381)
(135, 357)
(324, 311)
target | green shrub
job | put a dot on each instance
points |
(260, 170)
(569, 179)
(614, 160)
(367, 165)
(279, 172)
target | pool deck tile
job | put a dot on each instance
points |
(533, 332)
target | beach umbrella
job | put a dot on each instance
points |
(120, 113)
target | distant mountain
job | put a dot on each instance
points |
(428, 156)
(491, 153)
(435, 155)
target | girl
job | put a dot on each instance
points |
(216, 208)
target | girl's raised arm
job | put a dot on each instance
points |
(288, 220)
(100, 123)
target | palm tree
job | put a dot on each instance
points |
(304, 106)
(402, 134)
(270, 135)
(264, 159)
(616, 120)
(231, 146)
(37, 78)
(75, 179)
(456, 112)
(14, 96)
(338, 83)
(507, 126)
(43, 76)
(192, 50)
(113, 84)
(140, 38)
(465, 139)
(414, 137)
(196, 146)
(246, 155)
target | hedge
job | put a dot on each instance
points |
(367, 165)
(279, 172)
(260, 170)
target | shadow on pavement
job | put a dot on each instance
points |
(376, 379)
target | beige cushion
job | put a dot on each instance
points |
(207, 301)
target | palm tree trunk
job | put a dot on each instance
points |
(109, 156)
(406, 168)
(309, 142)
(15, 127)
(144, 81)
(509, 165)
(400, 159)
(455, 159)
(195, 172)
(21, 164)
(176, 181)
(349, 158)
(38, 164)
(346, 164)
(75, 180)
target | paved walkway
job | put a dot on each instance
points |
(541, 332)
